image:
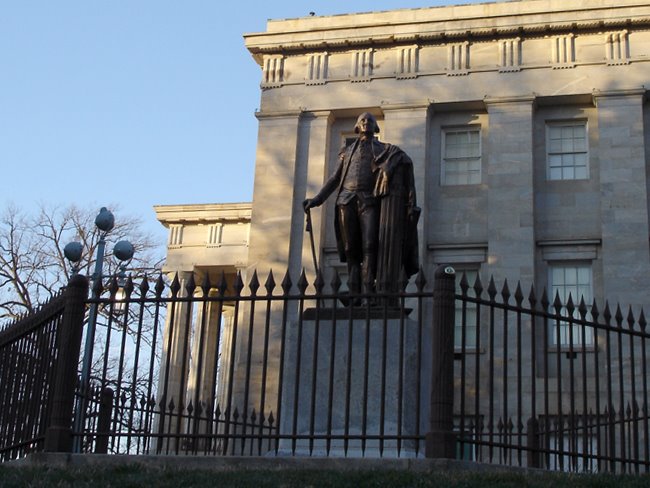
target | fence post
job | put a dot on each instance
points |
(441, 440)
(104, 421)
(58, 436)
(532, 441)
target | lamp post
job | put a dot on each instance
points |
(123, 251)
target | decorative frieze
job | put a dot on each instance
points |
(458, 59)
(407, 62)
(215, 232)
(175, 235)
(563, 51)
(617, 48)
(509, 55)
(273, 72)
(317, 69)
(361, 65)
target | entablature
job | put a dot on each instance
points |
(451, 23)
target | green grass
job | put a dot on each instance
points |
(138, 476)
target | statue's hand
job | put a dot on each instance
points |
(310, 203)
(381, 183)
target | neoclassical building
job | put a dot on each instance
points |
(527, 122)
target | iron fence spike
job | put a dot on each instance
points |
(642, 320)
(160, 286)
(144, 286)
(205, 284)
(492, 289)
(223, 284)
(190, 285)
(302, 282)
(175, 286)
(269, 284)
(463, 284)
(618, 316)
(319, 283)
(286, 283)
(336, 281)
(238, 285)
(254, 284)
(630, 318)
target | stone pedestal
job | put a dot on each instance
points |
(351, 377)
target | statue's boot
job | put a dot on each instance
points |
(368, 275)
(354, 279)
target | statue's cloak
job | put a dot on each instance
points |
(398, 234)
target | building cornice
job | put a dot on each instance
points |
(438, 24)
(203, 213)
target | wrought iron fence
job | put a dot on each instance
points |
(551, 385)
(38, 360)
(231, 368)
(28, 354)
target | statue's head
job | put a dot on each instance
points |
(366, 122)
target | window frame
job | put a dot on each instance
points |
(470, 310)
(552, 124)
(445, 161)
(565, 333)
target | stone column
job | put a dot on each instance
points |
(511, 231)
(624, 196)
(309, 179)
(174, 366)
(273, 195)
(407, 126)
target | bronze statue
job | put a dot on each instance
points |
(376, 214)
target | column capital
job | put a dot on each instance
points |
(491, 102)
(280, 114)
(601, 95)
(322, 115)
(405, 106)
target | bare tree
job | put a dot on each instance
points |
(32, 265)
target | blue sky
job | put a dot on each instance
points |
(136, 102)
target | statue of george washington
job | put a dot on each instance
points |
(376, 214)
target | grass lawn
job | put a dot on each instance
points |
(136, 476)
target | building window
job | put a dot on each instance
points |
(461, 156)
(469, 309)
(566, 152)
(575, 281)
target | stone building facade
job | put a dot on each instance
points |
(527, 123)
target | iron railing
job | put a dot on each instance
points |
(228, 368)
(38, 361)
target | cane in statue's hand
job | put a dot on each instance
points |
(308, 228)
